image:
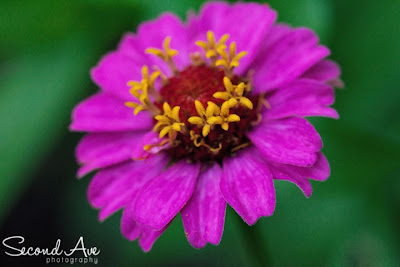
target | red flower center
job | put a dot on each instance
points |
(200, 83)
(193, 83)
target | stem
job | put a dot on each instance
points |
(256, 248)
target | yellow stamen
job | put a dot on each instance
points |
(234, 93)
(215, 120)
(223, 118)
(206, 130)
(140, 90)
(204, 115)
(169, 123)
(164, 78)
(211, 47)
(196, 120)
(229, 60)
(166, 54)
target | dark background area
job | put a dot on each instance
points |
(46, 51)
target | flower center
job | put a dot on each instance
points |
(200, 83)
(193, 83)
(207, 110)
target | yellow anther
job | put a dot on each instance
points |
(199, 107)
(229, 60)
(165, 54)
(246, 102)
(168, 123)
(234, 94)
(204, 114)
(164, 131)
(228, 85)
(234, 58)
(136, 107)
(211, 47)
(232, 102)
(141, 90)
(212, 109)
(233, 118)
(224, 118)
(149, 79)
(206, 130)
(215, 120)
(227, 105)
(196, 120)
(222, 95)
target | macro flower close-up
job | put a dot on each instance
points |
(199, 133)
(193, 116)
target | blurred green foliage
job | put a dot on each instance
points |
(47, 48)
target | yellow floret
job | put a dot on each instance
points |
(168, 123)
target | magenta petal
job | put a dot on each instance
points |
(104, 113)
(303, 97)
(275, 33)
(290, 141)
(323, 71)
(237, 23)
(131, 46)
(287, 59)
(204, 215)
(209, 18)
(247, 185)
(288, 173)
(130, 229)
(114, 187)
(153, 33)
(149, 236)
(98, 150)
(150, 138)
(165, 195)
(320, 171)
(114, 71)
(299, 175)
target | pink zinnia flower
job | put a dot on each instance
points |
(219, 106)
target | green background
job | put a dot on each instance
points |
(46, 50)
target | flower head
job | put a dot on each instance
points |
(192, 117)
